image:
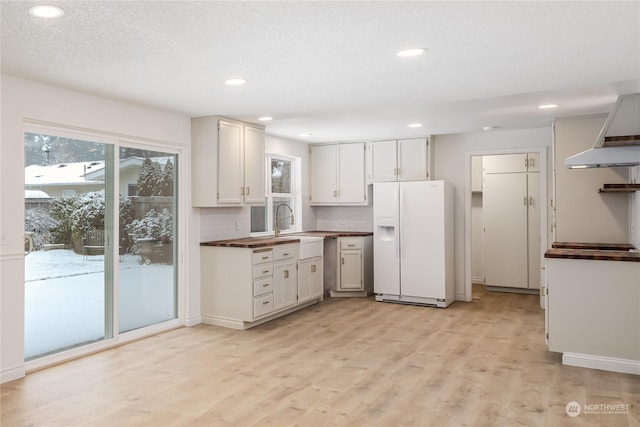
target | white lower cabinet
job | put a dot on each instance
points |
(310, 279)
(243, 287)
(354, 272)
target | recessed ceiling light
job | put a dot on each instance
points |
(305, 134)
(235, 81)
(46, 11)
(545, 106)
(415, 125)
(265, 119)
(412, 52)
(491, 127)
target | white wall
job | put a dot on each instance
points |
(583, 214)
(25, 100)
(450, 164)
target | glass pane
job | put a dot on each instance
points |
(284, 217)
(66, 220)
(280, 176)
(147, 271)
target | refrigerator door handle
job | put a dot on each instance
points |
(399, 227)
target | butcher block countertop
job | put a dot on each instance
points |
(595, 251)
(261, 242)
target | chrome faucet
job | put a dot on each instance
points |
(276, 227)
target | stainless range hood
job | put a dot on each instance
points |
(618, 143)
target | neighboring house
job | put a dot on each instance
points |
(69, 179)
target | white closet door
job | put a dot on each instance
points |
(533, 188)
(505, 203)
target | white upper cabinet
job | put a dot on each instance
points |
(253, 165)
(511, 163)
(337, 174)
(399, 160)
(227, 163)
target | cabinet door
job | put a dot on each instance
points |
(383, 161)
(533, 162)
(317, 276)
(533, 215)
(412, 159)
(505, 204)
(350, 271)
(284, 284)
(253, 165)
(351, 173)
(230, 163)
(304, 280)
(324, 173)
(505, 163)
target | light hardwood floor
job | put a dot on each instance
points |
(343, 362)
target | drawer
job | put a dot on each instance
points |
(350, 243)
(262, 270)
(262, 305)
(286, 252)
(262, 255)
(262, 286)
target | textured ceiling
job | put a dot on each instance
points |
(329, 68)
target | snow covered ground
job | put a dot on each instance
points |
(65, 298)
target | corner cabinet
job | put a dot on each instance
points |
(227, 163)
(244, 287)
(400, 160)
(338, 174)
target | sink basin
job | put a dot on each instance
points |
(310, 246)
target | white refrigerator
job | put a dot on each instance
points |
(413, 242)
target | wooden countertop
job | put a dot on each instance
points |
(333, 234)
(594, 251)
(261, 242)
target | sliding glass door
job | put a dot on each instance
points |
(67, 220)
(147, 230)
(102, 221)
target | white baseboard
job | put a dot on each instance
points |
(611, 364)
(11, 374)
(193, 321)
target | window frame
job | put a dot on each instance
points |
(295, 195)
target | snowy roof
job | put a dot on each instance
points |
(77, 173)
(35, 194)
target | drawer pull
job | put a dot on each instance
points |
(265, 302)
(285, 254)
(264, 285)
(265, 257)
(265, 271)
(351, 245)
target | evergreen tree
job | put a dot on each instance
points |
(167, 179)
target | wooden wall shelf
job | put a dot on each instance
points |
(619, 188)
